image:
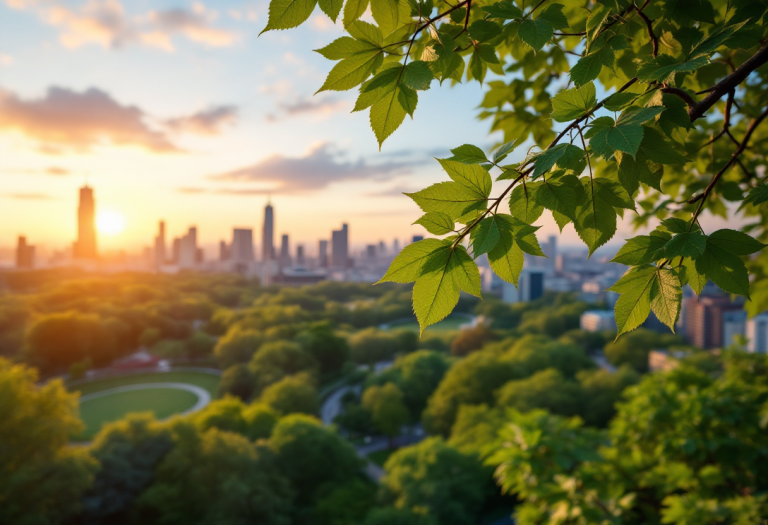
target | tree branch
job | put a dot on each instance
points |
(683, 94)
(717, 91)
(651, 35)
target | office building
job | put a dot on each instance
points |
(323, 254)
(241, 249)
(707, 321)
(285, 253)
(224, 251)
(159, 256)
(370, 252)
(340, 248)
(300, 260)
(175, 250)
(268, 234)
(734, 326)
(85, 245)
(597, 321)
(396, 247)
(382, 248)
(25, 254)
(189, 255)
(757, 334)
(530, 286)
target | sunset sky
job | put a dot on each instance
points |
(179, 111)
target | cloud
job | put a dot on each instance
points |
(106, 23)
(206, 122)
(319, 168)
(64, 119)
(56, 171)
(392, 192)
(30, 196)
(315, 107)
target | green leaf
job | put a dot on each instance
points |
(437, 290)
(666, 297)
(353, 70)
(506, 258)
(663, 67)
(725, 269)
(736, 242)
(689, 244)
(554, 15)
(757, 196)
(622, 136)
(561, 196)
(449, 197)
(468, 154)
(642, 249)
(332, 8)
(504, 150)
(618, 100)
(473, 177)
(353, 10)
(477, 68)
(573, 103)
(407, 266)
(386, 13)
(523, 205)
(485, 235)
(573, 155)
(436, 223)
(389, 112)
(285, 14)
(345, 47)
(675, 225)
(484, 30)
(635, 116)
(366, 32)
(529, 243)
(536, 33)
(659, 150)
(384, 82)
(418, 75)
(634, 304)
(690, 275)
(595, 221)
(587, 69)
(505, 10)
(633, 171)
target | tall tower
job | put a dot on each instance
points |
(268, 234)
(160, 245)
(85, 246)
(285, 253)
(340, 248)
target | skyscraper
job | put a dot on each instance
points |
(706, 320)
(340, 247)
(25, 254)
(285, 252)
(323, 254)
(300, 255)
(85, 245)
(268, 234)
(241, 251)
(188, 253)
(160, 245)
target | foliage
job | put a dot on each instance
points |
(388, 412)
(373, 345)
(291, 394)
(471, 339)
(41, 477)
(621, 105)
(328, 349)
(634, 348)
(345, 504)
(547, 389)
(237, 381)
(255, 421)
(237, 346)
(436, 480)
(276, 360)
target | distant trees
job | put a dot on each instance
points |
(472, 339)
(41, 475)
(329, 350)
(275, 360)
(373, 345)
(292, 394)
(237, 346)
(633, 348)
(255, 421)
(387, 409)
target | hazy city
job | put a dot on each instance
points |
(383, 262)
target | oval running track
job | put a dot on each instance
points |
(203, 396)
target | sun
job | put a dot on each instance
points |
(110, 222)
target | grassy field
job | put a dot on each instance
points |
(452, 322)
(163, 402)
(210, 382)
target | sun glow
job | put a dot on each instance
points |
(110, 222)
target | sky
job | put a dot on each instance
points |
(179, 111)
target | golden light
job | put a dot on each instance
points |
(110, 222)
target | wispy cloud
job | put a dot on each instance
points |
(322, 166)
(30, 196)
(106, 23)
(64, 119)
(318, 107)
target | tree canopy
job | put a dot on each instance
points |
(651, 112)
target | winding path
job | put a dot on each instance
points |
(203, 396)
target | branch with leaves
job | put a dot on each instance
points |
(647, 144)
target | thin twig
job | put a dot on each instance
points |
(651, 35)
(683, 94)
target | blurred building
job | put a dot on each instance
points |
(159, 255)
(85, 245)
(189, 255)
(597, 321)
(268, 234)
(285, 253)
(530, 286)
(712, 321)
(25, 254)
(241, 250)
(300, 258)
(299, 276)
(323, 254)
(340, 248)
(757, 334)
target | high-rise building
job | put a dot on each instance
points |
(224, 251)
(159, 258)
(85, 245)
(370, 252)
(188, 251)
(708, 323)
(340, 248)
(300, 261)
(530, 286)
(323, 253)
(285, 252)
(268, 234)
(241, 250)
(757, 334)
(382, 248)
(396, 247)
(597, 321)
(175, 250)
(25, 254)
